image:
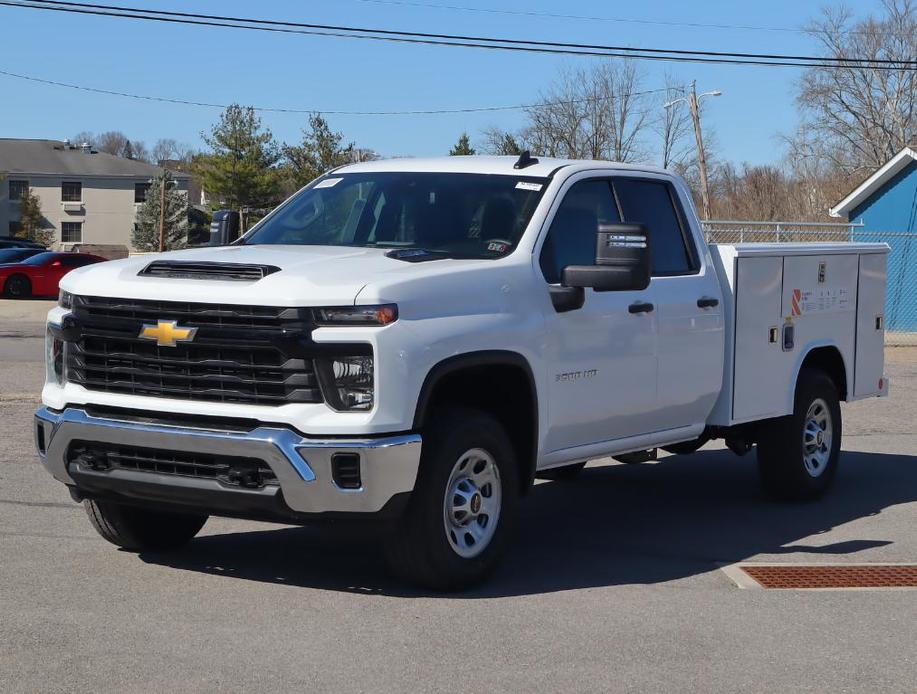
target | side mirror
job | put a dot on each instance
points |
(622, 261)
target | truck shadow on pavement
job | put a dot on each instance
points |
(614, 525)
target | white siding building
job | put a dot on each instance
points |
(87, 196)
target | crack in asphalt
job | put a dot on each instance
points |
(40, 504)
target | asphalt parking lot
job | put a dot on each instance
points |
(613, 583)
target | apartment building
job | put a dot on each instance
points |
(87, 196)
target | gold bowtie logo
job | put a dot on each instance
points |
(167, 333)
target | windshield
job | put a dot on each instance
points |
(459, 215)
(38, 259)
(14, 255)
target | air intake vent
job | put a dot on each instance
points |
(235, 272)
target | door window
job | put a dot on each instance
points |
(651, 203)
(571, 240)
(76, 260)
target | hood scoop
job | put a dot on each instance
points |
(190, 270)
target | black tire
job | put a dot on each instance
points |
(781, 450)
(18, 287)
(561, 474)
(418, 549)
(138, 529)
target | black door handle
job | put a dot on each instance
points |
(707, 302)
(640, 307)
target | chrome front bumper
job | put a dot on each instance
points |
(302, 465)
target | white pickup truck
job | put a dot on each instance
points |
(416, 341)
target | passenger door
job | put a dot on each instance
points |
(688, 300)
(601, 358)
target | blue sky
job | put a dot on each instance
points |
(304, 72)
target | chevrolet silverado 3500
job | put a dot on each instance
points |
(415, 341)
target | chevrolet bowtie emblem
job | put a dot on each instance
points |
(167, 333)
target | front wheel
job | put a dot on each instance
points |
(458, 521)
(139, 529)
(798, 454)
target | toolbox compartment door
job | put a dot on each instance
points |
(870, 338)
(761, 367)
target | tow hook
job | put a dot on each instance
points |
(93, 462)
(244, 477)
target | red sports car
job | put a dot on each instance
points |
(39, 275)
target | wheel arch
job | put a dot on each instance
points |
(828, 358)
(507, 374)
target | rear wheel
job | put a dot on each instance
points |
(798, 454)
(138, 529)
(458, 521)
(18, 287)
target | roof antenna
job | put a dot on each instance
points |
(525, 159)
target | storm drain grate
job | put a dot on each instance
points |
(858, 576)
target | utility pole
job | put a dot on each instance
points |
(701, 153)
(162, 215)
(693, 99)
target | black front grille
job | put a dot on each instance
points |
(183, 269)
(236, 471)
(239, 354)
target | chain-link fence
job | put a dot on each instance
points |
(901, 303)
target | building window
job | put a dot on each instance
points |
(140, 190)
(71, 232)
(15, 228)
(71, 191)
(18, 189)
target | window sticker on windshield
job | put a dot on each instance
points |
(497, 246)
(328, 182)
(526, 185)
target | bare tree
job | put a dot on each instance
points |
(597, 113)
(111, 142)
(857, 116)
(83, 136)
(673, 125)
(498, 141)
(167, 148)
(141, 153)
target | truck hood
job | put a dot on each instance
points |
(308, 276)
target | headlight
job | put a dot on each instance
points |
(65, 299)
(347, 382)
(54, 358)
(381, 314)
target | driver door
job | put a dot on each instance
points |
(601, 358)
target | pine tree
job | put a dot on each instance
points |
(463, 146)
(146, 227)
(32, 225)
(128, 151)
(320, 151)
(241, 168)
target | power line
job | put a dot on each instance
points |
(271, 109)
(621, 20)
(529, 46)
(552, 44)
(588, 18)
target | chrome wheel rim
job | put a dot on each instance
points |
(816, 438)
(471, 506)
